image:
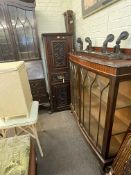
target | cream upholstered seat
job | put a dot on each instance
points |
(14, 159)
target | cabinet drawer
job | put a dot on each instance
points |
(38, 84)
(38, 90)
(60, 77)
(61, 96)
(41, 99)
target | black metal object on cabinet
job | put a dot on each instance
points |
(109, 38)
(89, 46)
(80, 42)
(123, 36)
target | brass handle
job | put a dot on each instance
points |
(61, 77)
(58, 37)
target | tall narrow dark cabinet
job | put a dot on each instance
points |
(57, 46)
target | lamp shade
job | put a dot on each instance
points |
(15, 94)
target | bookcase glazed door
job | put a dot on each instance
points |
(74, 81)
(22, 23)
(94, 97)
(6, 46)
(122, 116)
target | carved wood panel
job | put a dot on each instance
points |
(61, 94)
(59, 52)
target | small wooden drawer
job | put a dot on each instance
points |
(38, 90)
(41, 99)
(38, 84)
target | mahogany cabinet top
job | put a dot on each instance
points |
(21, 3)
(54, 34)
(102, 63)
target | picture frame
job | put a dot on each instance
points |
(92, 6)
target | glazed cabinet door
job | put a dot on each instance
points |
(7, 52)
(22, 19)
(75, 91)
(60, 96)
(94, 98)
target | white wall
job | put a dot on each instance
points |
(50, 19)
(49, 15)
(112, 19)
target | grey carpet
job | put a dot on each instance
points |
(65, 150)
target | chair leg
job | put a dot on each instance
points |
(15, 131)
(4, 133)
(37, 139)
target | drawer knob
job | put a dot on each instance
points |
(58, 37)
(60, 77)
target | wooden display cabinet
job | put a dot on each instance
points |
(57, 46)
(101, 100)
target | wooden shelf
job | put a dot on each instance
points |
(124, 115)
(119, 125)
(122, 101)
(115, 144)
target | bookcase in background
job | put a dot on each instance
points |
(19, 41)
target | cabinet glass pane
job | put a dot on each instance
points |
(122, 116)
(99, 90)
(74, 87)
(94, 96)
(24, 32)
(72, 83)
(115, 144)
(84, 99)
(6, 48)
(76, 90)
